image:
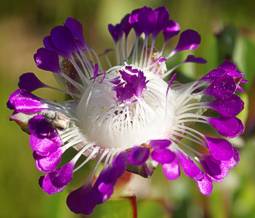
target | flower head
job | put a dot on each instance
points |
(129, 113)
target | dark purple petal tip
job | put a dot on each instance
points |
(63, 40)
(138, 155)
(76, 29)
(30, 82)
(189, 40)
(194, 59)
(46, 59)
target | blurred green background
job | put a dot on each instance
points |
(227, 28)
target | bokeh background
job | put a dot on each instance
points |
(227, 28)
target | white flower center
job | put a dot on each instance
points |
(112, 124)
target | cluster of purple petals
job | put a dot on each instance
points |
(63, 41)
(47, 152)
(224, 84)
(215, 165)
(84, 199)
(151, 22)
(130, 83)
(146, 21)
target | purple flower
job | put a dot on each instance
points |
(131, 116)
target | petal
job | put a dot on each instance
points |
(216, 169)
(171, 170)
(25, 102)
(61, 177)
(189, 40)
(46, 59)
(189, 167)
(220, 149)
(160, 143)
(229, 107)
(125, 25)
(229, 127)
(56, 181)
(138, 155)
(30, 82)
(47, 186)
(48, 163)
(171, 29)
(115, 31)
(194, 59)
(76, 29)
(82, 200)
(43, 146)
(41, 127)
(162, 155)
(63, 40)
(205, 185)
(222, 87)
(213, 168)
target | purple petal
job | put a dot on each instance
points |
(229, 127)
(171, 170)
(48, 43)
(189, 40)
(44, 146)
(138, 155)
(47, 186)
(125, 25)
(162, 20)
(162, 155)
(25, 102)
(205, 185)
(63, 40)
(216, 169)
(30, 82)
(194, 59)
(48, 163)
(76, 29)
(229, 107)
(115, 31)
(189, 167)
(220, 149)
(222, 87)
(160, 143)
(46, 59)
(82, 200)
(41, 127)
(56, 181)
(171, 29)
(213, 168)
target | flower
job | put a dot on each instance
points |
(129, 114)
